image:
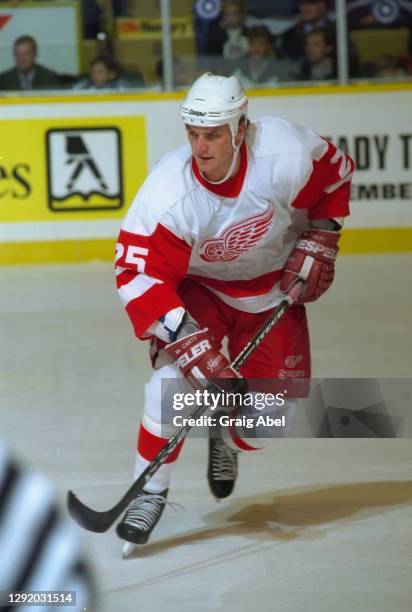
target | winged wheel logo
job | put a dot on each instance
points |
(238, 238)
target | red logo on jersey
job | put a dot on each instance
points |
(238, 238)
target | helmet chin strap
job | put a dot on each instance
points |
(231, 168)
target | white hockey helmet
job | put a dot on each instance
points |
(215, 100)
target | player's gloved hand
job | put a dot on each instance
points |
(198, 357)
(313, 259)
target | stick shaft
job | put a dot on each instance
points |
(93, 520)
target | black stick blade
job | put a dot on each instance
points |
(87, 518)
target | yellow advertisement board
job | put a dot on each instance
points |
(70, 169)
(129, 28)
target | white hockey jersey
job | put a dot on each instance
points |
(233, 240)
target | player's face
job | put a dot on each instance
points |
(212, 150)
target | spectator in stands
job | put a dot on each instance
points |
(260, 68)
(313, 15)
(228, 39)
(104, 74)
(27, 74)
(318, 63)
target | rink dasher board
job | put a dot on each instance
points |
(45, 216)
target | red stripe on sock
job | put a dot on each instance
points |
(149, 445)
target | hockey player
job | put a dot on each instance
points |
(220, 228)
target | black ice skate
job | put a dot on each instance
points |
(222, 468)
(141, 518)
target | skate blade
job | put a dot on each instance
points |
(128, 549)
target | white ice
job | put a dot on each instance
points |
(313, 525)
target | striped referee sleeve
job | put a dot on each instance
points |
(39, 548)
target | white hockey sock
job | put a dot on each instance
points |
(160, 481)
(148, 447)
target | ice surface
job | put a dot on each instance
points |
(313, 525)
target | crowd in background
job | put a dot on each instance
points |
(238, 38)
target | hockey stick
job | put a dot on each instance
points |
(99, 522)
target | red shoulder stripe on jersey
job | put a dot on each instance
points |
(233, 186)
(327, 191)
(241, 288)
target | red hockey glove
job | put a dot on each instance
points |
(199, 359)
(316, 251)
